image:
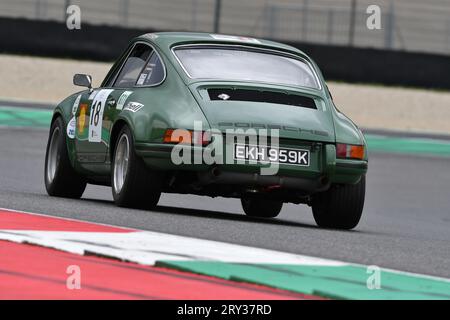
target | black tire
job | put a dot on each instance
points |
(140, 187)
(262, 208)
(60, 178)
(341, 206)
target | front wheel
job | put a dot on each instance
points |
(133, 184)
(341, 206)
(60, 178)
(263, 208)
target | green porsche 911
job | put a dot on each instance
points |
(213, 115)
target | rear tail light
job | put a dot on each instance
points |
(349, 151)
(184, 136)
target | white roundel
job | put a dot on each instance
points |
(71, 128)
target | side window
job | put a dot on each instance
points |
(133, 67)
(153, 73)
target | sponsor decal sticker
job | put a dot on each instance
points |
(123, 98)
(133, 106)
(96, 117)
(234, 38)
(146, 74)
(71, 128)
(76, 104)
(82, 118)
(141, 79)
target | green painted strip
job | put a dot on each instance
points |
(342, 282)
(25, 117)
(408, 145)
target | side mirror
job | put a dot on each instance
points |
(82, 80)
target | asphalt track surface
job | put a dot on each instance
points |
(405, 224)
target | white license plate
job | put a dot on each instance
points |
(265, 154)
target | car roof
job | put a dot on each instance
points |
(166, 40)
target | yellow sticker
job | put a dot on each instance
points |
(82, 118)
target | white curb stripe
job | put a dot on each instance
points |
(146, 247)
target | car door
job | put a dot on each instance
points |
(97, 109)
(91, 140)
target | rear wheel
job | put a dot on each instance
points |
(341, 206)
(61, 180)
(133, 184)
(255, 207)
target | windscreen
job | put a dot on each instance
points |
(245, 65)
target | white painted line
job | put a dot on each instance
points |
(66, 219)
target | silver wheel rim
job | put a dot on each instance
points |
(121, 157)
(53, 155)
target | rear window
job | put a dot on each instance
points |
(245, 65)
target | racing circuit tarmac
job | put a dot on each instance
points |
(405, 224)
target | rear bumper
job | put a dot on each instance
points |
(327, 169)
(216, 176)
(349, 171)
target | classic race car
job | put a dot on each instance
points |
(212, 115)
